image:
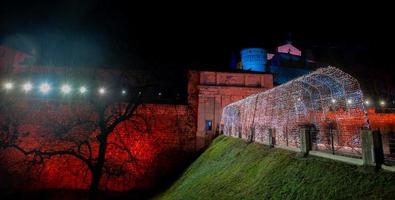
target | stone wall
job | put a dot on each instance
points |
(138, 157)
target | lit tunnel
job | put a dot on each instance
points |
(328, 101)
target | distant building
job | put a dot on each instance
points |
(286, 63)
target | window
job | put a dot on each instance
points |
(209, 125)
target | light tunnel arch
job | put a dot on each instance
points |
(323, 98)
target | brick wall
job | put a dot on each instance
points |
(155, 149)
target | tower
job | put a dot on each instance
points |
(254, 59)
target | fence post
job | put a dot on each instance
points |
(378, 149)
(271, 138)
(367, 147)
(304, 138)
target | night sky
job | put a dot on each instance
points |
(105, 33)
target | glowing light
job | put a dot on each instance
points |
(27, 87)
(102, 90)
(83, 89)
(8, 86)
(382, 103)
(367, 102)
(45, 88)
(278, 110)
(160, 93)
(123, 92)
(66, 89)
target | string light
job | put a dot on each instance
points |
(278, 110)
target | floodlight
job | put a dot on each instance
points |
(83, 90)
(65, 89)
(27, 87)
(45, 88)
(8, 85)
(102, 90)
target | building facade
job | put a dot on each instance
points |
(211, 91)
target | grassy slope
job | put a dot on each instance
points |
(232, 169)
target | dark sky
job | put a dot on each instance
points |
(109, 34)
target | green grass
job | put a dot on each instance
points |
(233, 169)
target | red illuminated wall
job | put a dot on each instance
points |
(156, 151)
(385, 122)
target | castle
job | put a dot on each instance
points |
(207, 91)
(176, 125)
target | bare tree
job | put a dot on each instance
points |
(78, 128)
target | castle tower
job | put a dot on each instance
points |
(254, 59)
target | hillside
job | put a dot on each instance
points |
(233, 169)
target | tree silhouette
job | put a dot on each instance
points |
(81, 128)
